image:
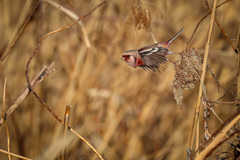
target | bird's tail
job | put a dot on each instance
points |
(170, 41)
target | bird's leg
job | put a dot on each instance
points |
(172, 61)
(175, 63)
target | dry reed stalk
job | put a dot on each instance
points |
(152, 35)
(54, 148)
(86, 142)
(66, 124)
(3, 117)
(230, 119)
(4, 91)
(111, 130)
(8, 139)
(19, 33)
(202, 20)
(238, 66)
(75, 17)
(36, 95)
(222, 136)
(220, 27)
(45, 71)
(36, 51)
(70, 90)
(197, 108)
(15, 155)
(233, 102)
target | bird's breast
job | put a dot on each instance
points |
(140, 62)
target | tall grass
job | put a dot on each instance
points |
(123, 112)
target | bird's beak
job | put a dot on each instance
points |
(123, 58)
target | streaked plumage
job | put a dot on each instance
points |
(150, 58)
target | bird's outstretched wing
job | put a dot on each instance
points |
(153, 57)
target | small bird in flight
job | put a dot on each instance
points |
(150, 58)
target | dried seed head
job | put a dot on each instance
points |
(186, 72)
(141, 17)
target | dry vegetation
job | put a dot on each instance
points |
(125, 113)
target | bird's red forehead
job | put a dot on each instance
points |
(125, 57)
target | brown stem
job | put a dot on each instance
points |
(45, 71)
(195, 131)
(195, 30)
(220, 27)
(36, 51)
(19, 33)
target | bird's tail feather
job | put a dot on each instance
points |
(170, 41)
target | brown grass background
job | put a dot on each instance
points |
(125, 113)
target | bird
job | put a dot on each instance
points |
(150, 58)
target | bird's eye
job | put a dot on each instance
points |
(127, 56)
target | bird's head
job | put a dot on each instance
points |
(130, 57)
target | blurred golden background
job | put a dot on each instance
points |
(125, 113)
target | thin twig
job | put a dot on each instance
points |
(15, 155)
(32, 89)
(4, 92)
(19, 33)
(206, 131)
(238, 39)
(234, 102)
(195, 30)
(86, 142)
(36, 51)
(204, 100)
(220, 27)
(8, 139)
(152, 35)
(3, 117)
(226, 122)
(45, 71)
(238, 67)
(74, 16)
(220, 138)
(219, 85)
(66, 124)
(197, 110)
(189, 42)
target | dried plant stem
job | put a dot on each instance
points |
(233, 102)
(220, 27)
(86, 142)
(223, 125)
(36, 51)
(238, 39)
(4, 91)
(222, 136)
(202, 20)
(66, 124)
(197, 108)
(3, 117)
(15, 155)
(238, 66)
(73, 16)
(45, 71)
(206, 131)
(8, 139)
(152, 35)
(19, 33)
(32, 89)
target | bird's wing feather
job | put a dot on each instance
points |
(152, 57)
(154, 69)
